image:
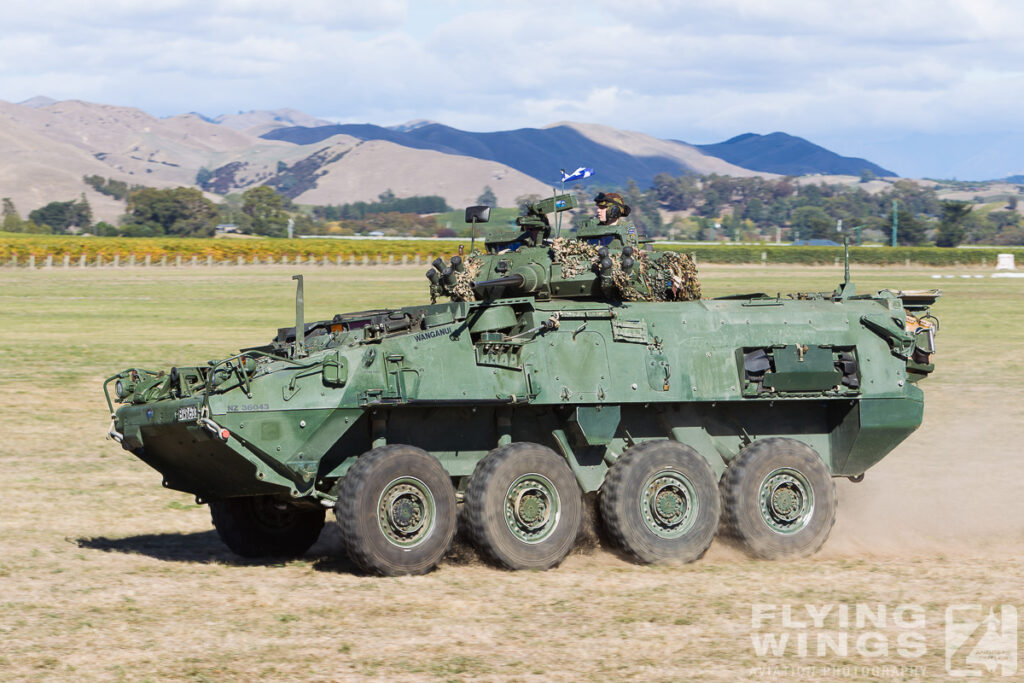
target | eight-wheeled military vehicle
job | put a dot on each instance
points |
(543, 369)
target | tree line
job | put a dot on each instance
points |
(714, 207)
(187, 212)
(709, 208)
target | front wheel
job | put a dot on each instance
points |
(524, 506)
(265, 526)
(660, 502)
(780, 500)
(396, 511)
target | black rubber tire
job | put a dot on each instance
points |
(485, 506)
(741, 485)
(265, 526)
(622, 509)
(360, 495)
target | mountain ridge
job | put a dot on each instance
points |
(787, 154)
(47, 146)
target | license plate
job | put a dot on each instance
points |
(188, 413)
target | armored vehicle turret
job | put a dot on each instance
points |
(544, 368)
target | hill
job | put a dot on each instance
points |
(538, 152)
(788, 155)
(46, 147)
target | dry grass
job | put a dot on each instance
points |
(105, 575)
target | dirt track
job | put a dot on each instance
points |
(104, 575)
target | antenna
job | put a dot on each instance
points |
(300, 323)
(846, 248)
(558, 217)
(846, 289)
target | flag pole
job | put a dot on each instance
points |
(558, 232)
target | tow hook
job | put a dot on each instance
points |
(214, 428)
(113, 433)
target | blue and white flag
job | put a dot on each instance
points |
(579, 174)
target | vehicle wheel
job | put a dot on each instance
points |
(779, 499)
(396, 511)
(660, 502)
(265, 526)
(524, 506)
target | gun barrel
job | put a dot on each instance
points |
(515, 279)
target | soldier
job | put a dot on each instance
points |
(610, 207)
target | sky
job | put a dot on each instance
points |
(926, 88)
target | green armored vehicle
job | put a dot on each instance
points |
(542, 370)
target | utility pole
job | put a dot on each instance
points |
(858, 228)
(895, 222)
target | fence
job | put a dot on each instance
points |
(195, 261)
(58, 252)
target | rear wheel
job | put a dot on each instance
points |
(660, 502)
(396, 511)
(780, 500)
(265, 526)
(524, 506)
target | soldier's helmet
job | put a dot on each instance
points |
(613, 203)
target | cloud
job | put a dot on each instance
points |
(702, 70)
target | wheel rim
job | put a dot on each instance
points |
(405, 512)
(669, 504)
(273, 514)
(532, 508)
(786, 499)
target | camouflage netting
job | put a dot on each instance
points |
(573, 256)
(669, 276)
(462, 290)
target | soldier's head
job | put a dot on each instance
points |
(610, 207)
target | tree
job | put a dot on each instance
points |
(183, 212)
(952, 228)
(487, 198)
(32, 228)
(867, 175)
(203, 177)
(909, 231)
(811, 222)
(754, 210)
(11, 220)
(264, 212)
(710, 207)
(59, 216)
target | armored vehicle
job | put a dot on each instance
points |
(543, 369)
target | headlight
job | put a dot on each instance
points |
(119, 389)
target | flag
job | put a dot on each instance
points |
(579, 174)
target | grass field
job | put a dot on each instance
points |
(104, 575)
